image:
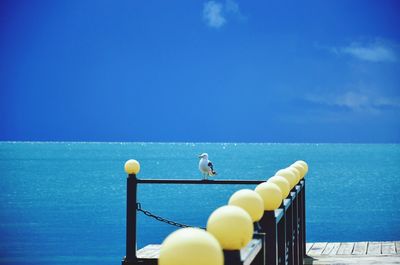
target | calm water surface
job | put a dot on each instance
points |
(64, 203)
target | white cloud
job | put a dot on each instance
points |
(356, 101)
(353, 100)
(232, 7)
(212, 14)
(387, 102)
(377, 51)
(215, 14)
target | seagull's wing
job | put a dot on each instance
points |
(211, 166)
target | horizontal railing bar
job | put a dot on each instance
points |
(197, 181)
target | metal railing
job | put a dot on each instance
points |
(281, 233)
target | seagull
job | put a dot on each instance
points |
(205, 166)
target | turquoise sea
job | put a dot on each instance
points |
(64, 203)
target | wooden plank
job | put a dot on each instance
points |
(360, 248)
(345, 248)
(331, 248)
(308, 247)
(374, 248)
(356, 260)
(149, 251)
(317, 248)
(388, 248)
(335, 249)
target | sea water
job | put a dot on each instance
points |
(64, 203)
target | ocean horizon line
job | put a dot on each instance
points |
(193, 142)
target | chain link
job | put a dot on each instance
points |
(159, 218)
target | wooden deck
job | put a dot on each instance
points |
(353, 253)
(367, 253)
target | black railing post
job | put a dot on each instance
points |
(296, 227)
(283, 245)
(269, 226)
(232, 257)
(260, 258)
(289, 230)
(301, 223)
(282, 241)
(131, 191)
(303, 201)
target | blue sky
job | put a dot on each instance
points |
(210, 71)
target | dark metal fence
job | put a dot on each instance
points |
(279, 238)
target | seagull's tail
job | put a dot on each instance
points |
(212, 173)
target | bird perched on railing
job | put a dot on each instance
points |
(205, 166)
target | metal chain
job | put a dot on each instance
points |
(159, 218)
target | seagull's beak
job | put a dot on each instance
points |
(201, 156)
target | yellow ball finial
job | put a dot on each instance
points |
(190, 246)
(132, 166)
(288, 175)
(282, 183)
(232, 226)
(304, 164)
(250, 201)
(296, 172)
(271, 195)
(300, 168)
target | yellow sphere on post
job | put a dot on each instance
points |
(191, 246)
(132, 166)
(289, 175)
(282, 183)
(232, 227)
(304, 164)
(296, 172)
(300, 168)
(250, 201)
(271, 195)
